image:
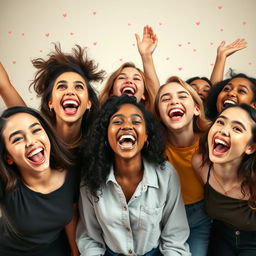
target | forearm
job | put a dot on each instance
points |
(218, 70)
(150, 72)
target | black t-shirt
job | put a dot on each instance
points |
(32, 223)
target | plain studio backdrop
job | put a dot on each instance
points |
(189, 32)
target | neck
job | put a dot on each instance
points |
(70, 133)
(182, 138)
(128, 168)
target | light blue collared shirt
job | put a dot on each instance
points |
(154, 216)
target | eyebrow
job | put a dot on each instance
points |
(124, 74)
(179, 92)
(65, 81)
(121, 115)
(20, 131)
(233, 122)
(207, 85)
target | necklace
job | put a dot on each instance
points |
(226, 191)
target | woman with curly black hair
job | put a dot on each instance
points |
(130, 202)
(237, 89)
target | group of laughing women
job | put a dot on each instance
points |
(140, 169)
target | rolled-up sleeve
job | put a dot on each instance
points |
(89, 233)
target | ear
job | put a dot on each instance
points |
(253, 104)
(50, 104)
(9, 159)
(250, 149)
(197, 111)
(89, 104)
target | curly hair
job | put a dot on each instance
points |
(99, 157)
(106, 91)
(59, 157)
(247, 168)
(211, 106)
(57, 63)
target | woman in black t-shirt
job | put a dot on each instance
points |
(227, 166)
(37, 191)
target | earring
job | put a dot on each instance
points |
(147, 144)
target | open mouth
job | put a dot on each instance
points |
(126, 141)
(220, 147)
(130, 91)
(70, 106)
(228, 102)
(176, 114)
(36, 156)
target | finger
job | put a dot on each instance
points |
(137, 38)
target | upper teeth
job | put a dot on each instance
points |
(218, 141)
(176, 110)
(123, 137)
(69, 102)
(129, 89)
(229, 102)
(34, 152)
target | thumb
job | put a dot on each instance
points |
(137, 38)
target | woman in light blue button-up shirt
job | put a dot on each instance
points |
(130, 196)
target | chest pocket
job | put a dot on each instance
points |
(150, 218)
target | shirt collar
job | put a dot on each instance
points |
(149, 178)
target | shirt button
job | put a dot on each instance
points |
(130, 251)
(125, 208)
(128, 229)
(237, 233)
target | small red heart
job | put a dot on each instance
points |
(94, 13)
(14, 62)
(71, 33)
(219, 7)
(47, 34)
(168, 58)
(179, 45)
(198, 23)
(160, 23)
(194, 50)
(129, 24)
(244, 22)
(9, 32)
(64, 15)
(41, 51)
(249, 63)
(221, 30)
(133, 44)
(23, 34)
(94, 43)
(180, 68)
(189, 43)
(120, 59)
(211, 43)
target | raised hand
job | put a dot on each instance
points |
(227, 50)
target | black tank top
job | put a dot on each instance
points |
(234, 212)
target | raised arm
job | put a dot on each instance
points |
(223, 51)
(146, 47)
(8, 93)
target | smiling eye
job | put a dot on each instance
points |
(219, 121)
(136, 122)
(165, 99)
(226, 89)
(16, 139)
(120, 77)
(79, 87)
(242, 91)
(237, 129)
(36, 130)
(61, 86)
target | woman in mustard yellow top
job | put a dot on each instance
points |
(181, 113)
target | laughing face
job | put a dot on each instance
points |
(176, 107)
(230, 136)
(237, 91)
(202, 88)
(69, 97)
(129, 82)
(127, 132)
(27, 143)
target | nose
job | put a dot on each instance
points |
(30, 140)
(174, 101)
(225, 130)
(70, 92)
(127, 125)
(232, 93)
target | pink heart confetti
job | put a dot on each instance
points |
(179, 45)
(94, 13)
(211, 43)
(129, 24)
(219, 7)
(160, 23)
(47, 34)
(41, 51)
(194, 50)
(211, 64)
(71, 33)
(244, 22)
(120, 59)
(64, 15)
(180, 68)
(14, 62)
(23, 34)
(133, 44)
(221, 30)
(9, 32)
(198, 23)
(188, 43)
(249, 63)
(94, 43)
(168, 58)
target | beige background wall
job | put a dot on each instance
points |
(189, 32)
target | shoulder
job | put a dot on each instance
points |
(200, 170)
